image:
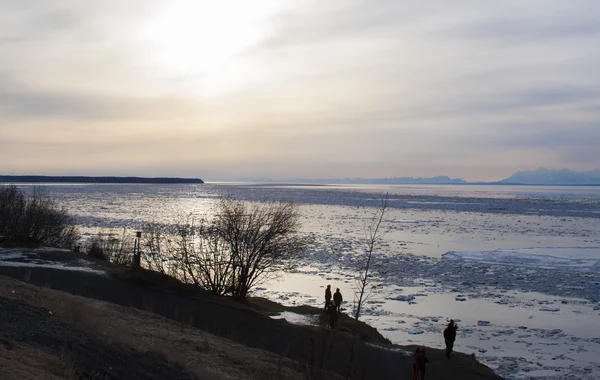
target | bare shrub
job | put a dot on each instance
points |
(34, 220)
(106, 245)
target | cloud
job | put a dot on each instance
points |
(341, 88)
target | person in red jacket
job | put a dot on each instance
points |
(416, 356)
(422, 360)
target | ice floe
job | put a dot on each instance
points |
(577, 258)
(550, 309)
(402, 298)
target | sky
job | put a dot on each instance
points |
(228, 90)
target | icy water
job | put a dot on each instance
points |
(517, 266)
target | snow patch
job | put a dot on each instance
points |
(298, 319)
(51, 266)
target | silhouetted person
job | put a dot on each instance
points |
(327, 296)
(450, 337)
(421, 362)
(337, 298)
(416, 362)
(333, 315)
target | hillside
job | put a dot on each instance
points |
(144, 316)
(62, 336)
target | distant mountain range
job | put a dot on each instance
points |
(544, 176)
(539, 176)
(442, 179)
(385, 181)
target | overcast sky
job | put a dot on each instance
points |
(225, 90)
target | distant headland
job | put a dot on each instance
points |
(87, 179)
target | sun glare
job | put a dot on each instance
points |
(196, 37)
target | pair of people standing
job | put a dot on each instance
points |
(333, 308)
(419, 361)
(420, 358)
(337, 299)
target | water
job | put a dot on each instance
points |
(523, 258)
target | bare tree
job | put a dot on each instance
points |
(374, 232)
(180, 250)
(241, 247)
(261, 240)
(214, 267)
(373, 235)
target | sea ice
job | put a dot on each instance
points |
(576, 258)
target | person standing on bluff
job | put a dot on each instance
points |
(416, 358)
(338, 299)
(327, 296)
(450, 337)
(422, 360)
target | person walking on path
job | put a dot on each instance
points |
(338, 299)
(333, 315)
(421, 362)
(450, 337)
(327, 296)
(416, 363)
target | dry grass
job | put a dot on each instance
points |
(201, 353)
(19, 361)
